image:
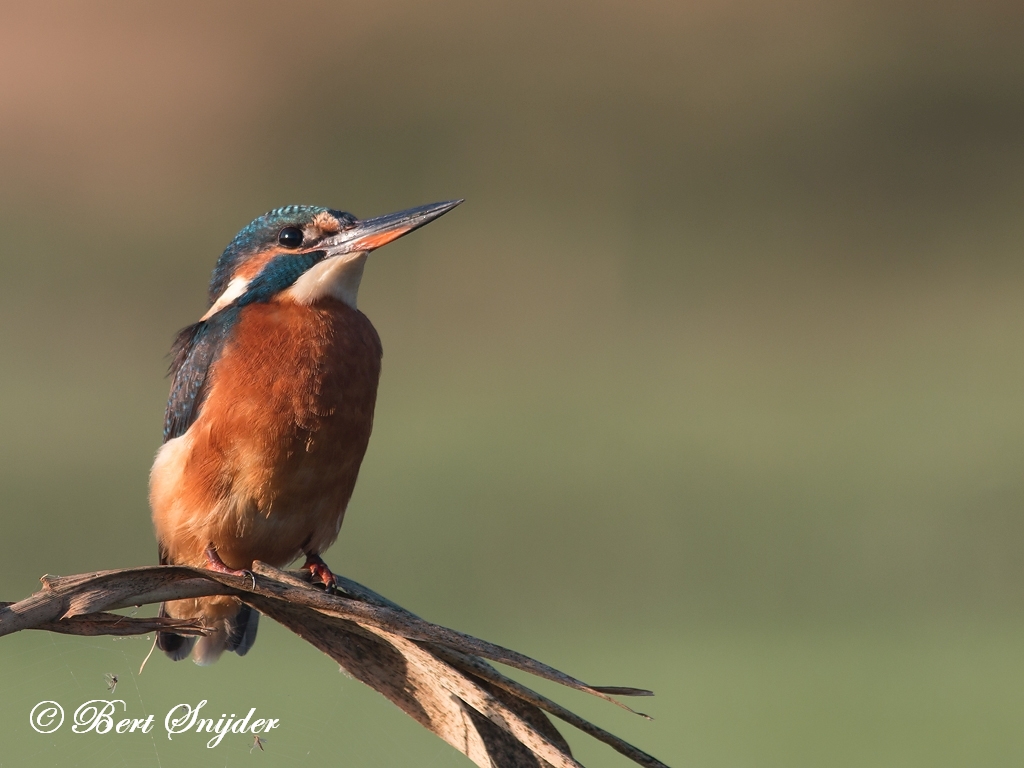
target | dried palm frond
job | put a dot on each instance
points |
(438, 676)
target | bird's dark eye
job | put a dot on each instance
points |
(290, 237)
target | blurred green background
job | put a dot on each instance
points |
(712, 386)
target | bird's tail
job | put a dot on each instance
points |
(232, 623)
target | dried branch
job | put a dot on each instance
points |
(439, 677)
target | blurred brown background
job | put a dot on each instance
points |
(713, 385)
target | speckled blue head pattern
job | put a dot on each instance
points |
(260, 234)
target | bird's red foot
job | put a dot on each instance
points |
(320, 573)
(214, 563)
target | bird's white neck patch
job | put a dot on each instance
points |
(336, 277)
(235, 289)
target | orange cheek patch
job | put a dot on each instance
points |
(252, 267)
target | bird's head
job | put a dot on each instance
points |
(306, 253)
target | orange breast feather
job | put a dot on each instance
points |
(266, 470)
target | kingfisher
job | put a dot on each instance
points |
(270, 410)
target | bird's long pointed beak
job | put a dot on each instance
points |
(368, 234)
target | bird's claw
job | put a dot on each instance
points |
(320, 574)
(214, 563)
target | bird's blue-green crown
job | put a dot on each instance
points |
(259, 234)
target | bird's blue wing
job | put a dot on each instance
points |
(194, 352)
(198, 346)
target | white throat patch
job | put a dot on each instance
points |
(337, 277)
